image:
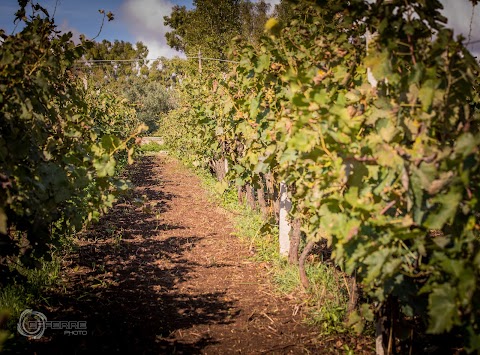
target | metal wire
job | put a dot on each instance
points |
(147, 60)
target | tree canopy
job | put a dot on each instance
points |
(210, 26)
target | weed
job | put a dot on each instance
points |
(329, 298)
(46, 276)
(286, 277)
(117, 239)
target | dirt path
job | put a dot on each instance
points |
(172, 279)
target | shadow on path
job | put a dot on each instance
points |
(125, 280)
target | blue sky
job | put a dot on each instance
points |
(81, 16)
(135, 20)
(142, 20)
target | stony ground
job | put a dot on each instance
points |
(170, 277)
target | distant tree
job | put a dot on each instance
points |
(211, 25)
(142, 85)
(253, 18)
(179, 22)
(118, 50)
(284, 10)
(150, 98)
(208, 27)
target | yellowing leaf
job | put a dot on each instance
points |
(271, 24)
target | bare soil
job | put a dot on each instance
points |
(170, 277)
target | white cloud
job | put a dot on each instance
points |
(459, 14)
(145, 20)
(65, 27)
(273, 2)
(156, 50)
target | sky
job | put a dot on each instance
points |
(142, 20)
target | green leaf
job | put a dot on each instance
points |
(301, 142)
(379, 64)
(352, 96)
(352, 197)
(442, 309)
(105, 166)
(300, 100)
(6, 58)
(110, 143)
(474, 340)
(427, 93)
(367, 312)
(375, 262)
(476, 261)
(288, 155)
(445, 209)
(254, 105)
(425, 174)
(262, 63)
(221, 186)
(466, 144)
(62, 194)
(386, 129)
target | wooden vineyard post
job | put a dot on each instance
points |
(295, 242)
(250, 192)
(272, 198)
(262, 203)
(284, 225)
(199, 61)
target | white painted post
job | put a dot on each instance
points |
(379, 349)
(370, 77)
(284, 225)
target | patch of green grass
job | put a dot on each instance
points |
(286, 277)
(153, 147)
(26, 287)
(14, 299)
(45, 276)
(27, 292)
(264, 240)
(329, 297)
